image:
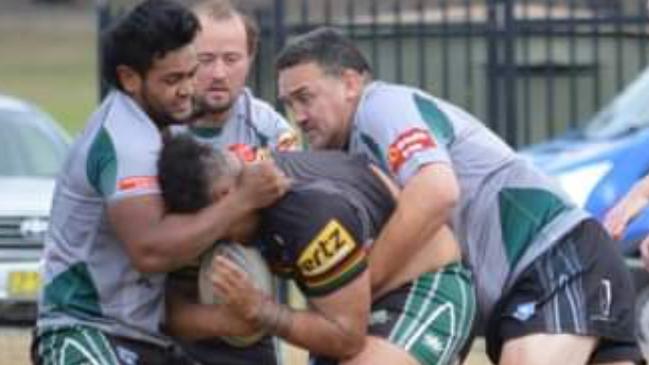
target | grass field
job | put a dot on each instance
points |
(48, 56)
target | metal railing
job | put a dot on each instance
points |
(530, 69)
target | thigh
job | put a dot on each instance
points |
(548, 349)
(579, 287)
(430, 318)
(378, 351)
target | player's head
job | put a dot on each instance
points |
(226, 46)
(192, 175)
(149, 55)
(321, 76)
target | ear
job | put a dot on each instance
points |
(130, 80)
(353, 82)
(220, 190)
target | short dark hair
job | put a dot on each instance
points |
(182, 174)
(224, 9)
(149, 31)
(329, 48)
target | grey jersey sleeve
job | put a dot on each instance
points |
(281, 135)
(407, 127)
(135, 170)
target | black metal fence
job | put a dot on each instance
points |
(530, 69)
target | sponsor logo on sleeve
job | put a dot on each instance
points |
(330, 247)
(407, 144)
(243, 151)
(137, 183)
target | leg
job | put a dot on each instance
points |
(576, 300)
(379, 351)
(556, 349)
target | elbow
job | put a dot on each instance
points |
(349, 346)
(445, 203)
(147, 261)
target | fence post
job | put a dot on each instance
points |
(103, 19)
(279, 25)
(492, 89)
(510, 102)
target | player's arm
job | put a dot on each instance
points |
(625, 210)
(417, 159)
(335, 325)
(423, 207)
(329, 265)
(190, 320)
(157, 241)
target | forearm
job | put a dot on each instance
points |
(177, 239)
(195, 321)
(423, 207)
(638, 197)
(315, 332)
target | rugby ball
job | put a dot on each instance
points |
(251, 261)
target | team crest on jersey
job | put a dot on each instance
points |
(137, 182)
(407, 144)
(330, 247)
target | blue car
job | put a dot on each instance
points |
(598, 164)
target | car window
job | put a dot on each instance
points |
(627, 112)
(29, 146)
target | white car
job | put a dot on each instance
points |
(32, 150)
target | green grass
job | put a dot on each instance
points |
(52, 66)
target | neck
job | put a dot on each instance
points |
(214, 120)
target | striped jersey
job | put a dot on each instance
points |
(318, 234)
(88, 276)
(508, 214)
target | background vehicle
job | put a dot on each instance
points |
(32, 150)
(598, 164)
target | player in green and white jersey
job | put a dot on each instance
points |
(547, 275)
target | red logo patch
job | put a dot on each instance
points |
(137, 182)
(243, 151)
(406, 145)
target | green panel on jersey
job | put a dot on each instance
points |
(73, 292)
(101, 166)
(524, 212)
(436, 120)
(375, 149)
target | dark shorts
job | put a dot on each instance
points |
(80, 345)
(217, 352)
(580, 286)
(430, 317)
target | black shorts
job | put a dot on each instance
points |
(580, 286)
(217, 352)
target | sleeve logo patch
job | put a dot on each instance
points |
(330, 247)
(137, 183)
(407, 144)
